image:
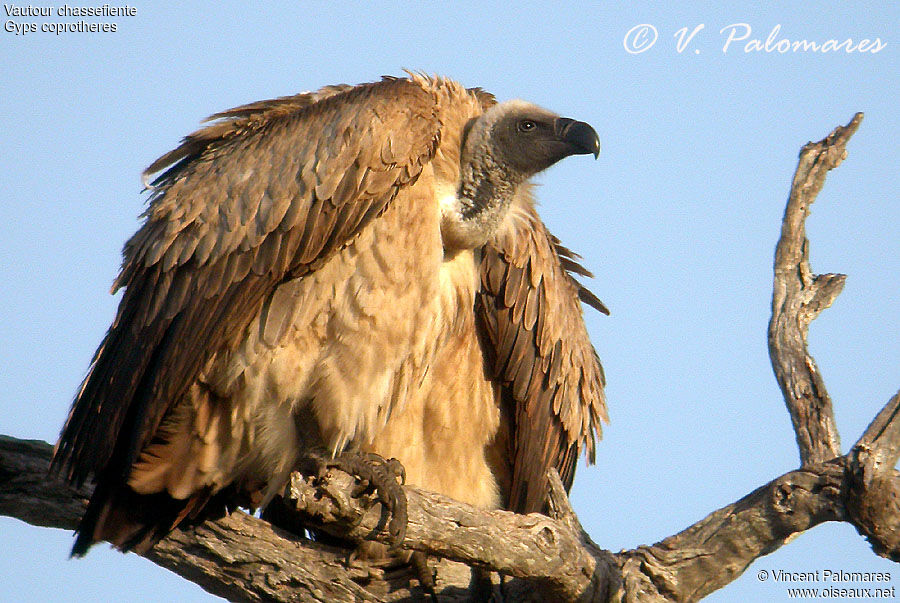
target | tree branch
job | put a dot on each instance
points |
(244, 557)
(716, 550)
(798, 297)
(880, 444)
(531, 546)
(241, 557)
(874, 492)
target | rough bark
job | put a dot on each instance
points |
(242, 557)
(798, 297)
(874, 484)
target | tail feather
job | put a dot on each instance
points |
(135, 522)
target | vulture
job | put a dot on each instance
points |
(355, 270)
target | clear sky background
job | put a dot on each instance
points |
(678, 219)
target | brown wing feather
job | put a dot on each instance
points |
(240, 210)
(237, 121)
(531, 320)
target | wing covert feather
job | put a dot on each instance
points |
(529, 312)
(266, 194)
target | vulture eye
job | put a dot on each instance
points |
(526, 125)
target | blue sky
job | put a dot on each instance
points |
(678, 219)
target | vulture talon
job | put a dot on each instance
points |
(375, 474)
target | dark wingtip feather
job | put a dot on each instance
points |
(592, 300)
(573, 266)
(81, 546)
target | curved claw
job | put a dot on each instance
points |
(376, 473)
(399, 470)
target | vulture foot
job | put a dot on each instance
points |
(384, 478)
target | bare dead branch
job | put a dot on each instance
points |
(716, 550)
(873, 495)
(561, 510)
(798, 297)
(879, 446)
(238, 557)
(243, 557)
(874, 510)
(28, 494)
(531, 546)
(873, 500)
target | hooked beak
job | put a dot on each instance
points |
(579, 135)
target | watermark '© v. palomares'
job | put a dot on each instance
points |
(737, 37)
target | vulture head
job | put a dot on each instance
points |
(526, 139)
(502, 148)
